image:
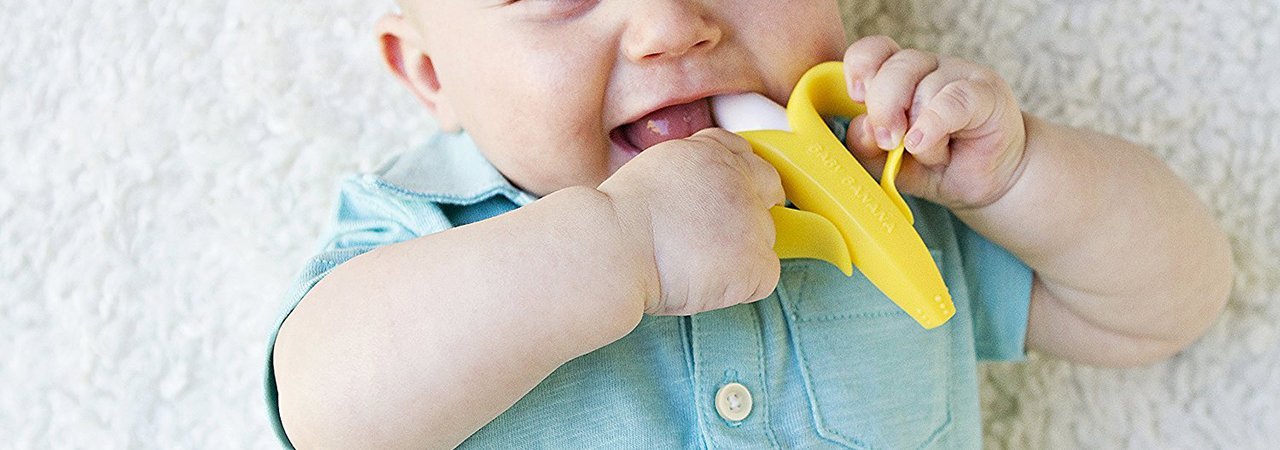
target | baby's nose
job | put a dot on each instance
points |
(660, 29)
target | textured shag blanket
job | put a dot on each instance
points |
(166, 167)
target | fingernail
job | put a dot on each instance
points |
(913, 138)
(884, 139)
(859, 92)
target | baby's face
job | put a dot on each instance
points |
(564, 92)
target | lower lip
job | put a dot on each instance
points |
(621, 142)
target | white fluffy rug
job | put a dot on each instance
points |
(165, 167)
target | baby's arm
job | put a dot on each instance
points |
(1129, 266)
(419, 344)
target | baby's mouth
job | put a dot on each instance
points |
(672, 122)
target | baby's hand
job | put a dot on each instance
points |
(962, 125)
(699, 210)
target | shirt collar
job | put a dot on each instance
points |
(449, 169)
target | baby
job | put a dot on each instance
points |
(585, 260)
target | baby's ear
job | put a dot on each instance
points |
(406, 57)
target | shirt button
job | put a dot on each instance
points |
(733, 402)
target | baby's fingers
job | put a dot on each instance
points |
(890, 94)
(863, 59)
(767, 275)
(861, 142)
(960, 105)
(763, 177)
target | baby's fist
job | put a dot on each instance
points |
(700, 208)
(961, 122)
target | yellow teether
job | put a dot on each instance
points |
(844, 216)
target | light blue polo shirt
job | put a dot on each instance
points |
(827, 361)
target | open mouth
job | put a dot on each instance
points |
(672, 122)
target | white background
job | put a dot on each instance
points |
(166, 167)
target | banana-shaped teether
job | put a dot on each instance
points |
(844, 216)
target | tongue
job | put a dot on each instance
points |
(672, 122)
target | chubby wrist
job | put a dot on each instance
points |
(1027, 216)
(619, 254)
(1023, 152)
(632, 222)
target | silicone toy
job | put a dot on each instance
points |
(844, 217)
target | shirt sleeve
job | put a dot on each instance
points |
(1000, 289)
(368, 216)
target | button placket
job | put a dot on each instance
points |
(728, 376)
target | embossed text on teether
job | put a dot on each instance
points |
(875, 208)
